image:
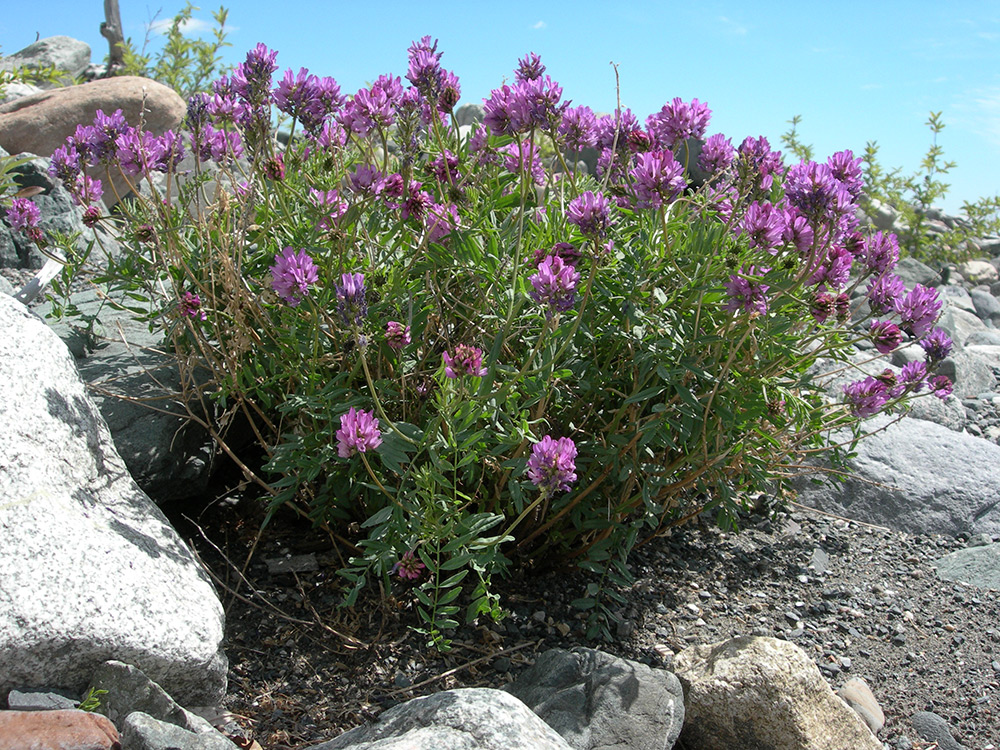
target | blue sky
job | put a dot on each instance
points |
(854, 71)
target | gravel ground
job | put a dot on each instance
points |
(861, 601)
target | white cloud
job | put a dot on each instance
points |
(730, 26)
(539, 25)
(191, 27)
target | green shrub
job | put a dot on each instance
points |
(462, 361)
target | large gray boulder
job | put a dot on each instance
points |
(59, 52)
(137, 387)
(755, 692)
(463, 719)
(92, 570)
(976, 566)
(597, 701)
(917, 477)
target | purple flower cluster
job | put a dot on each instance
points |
(531, 103)
(936, 345)
(918, 310)
(190, 306)
(308, 98)
(440, 221)
(717, 153)
(659, 178)
(591, 212)
(880, 253)
(465, 360)
(885, 335)
(358, 433)
(251, 79)
(677, 121)
(578, 128)
(552, 465)
(554, 284)
(23, 215)
(396, 335)
(764, 224)
(409, 566)
(351, 303)
(747, 294)
(292, 274)
(866, 397)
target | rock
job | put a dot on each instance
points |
(462, 719)
(910, 270)
(66, 729)
(933, 728)
(917, 477)
(753, 692)
(989, 337)
(169, 456)
(971, 370)
(60, 52)
(469, 114)
(960, 325)
(595, 700)
(856, 694)
(38, 700)
(91, 567)
(128, 689)
(977, 566)
(987, 306)
(956, 296)
(40, 123)
(883, 216)
(978, 272)
(142, 732)
(11, 91)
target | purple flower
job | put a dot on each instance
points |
(220, 146)
(885, 334)
(190, 305)
(409, 566)
(369, 109)
(97, 143)
(797, 231)
(747, 295)
(292, 274)
(717, 153)
(65, 164)
(757, 163)
(440, 221)
(918, 310)
(813, 189)
(396, 335)
(91, 216)
(134, 156)
(529, 68)
(764, 225)
(330, 206)
(579, 128)
(425, 71)
(823, 306)
(677, 121)
(358, 433)
(880, 253)
(366, 180)
(590, 212)
(251, 80)
(530, 103)
(866, 397)
(884, 293)
(444, 167)
(912, 378)
(526, 156)
(936, 345)
(307, 98)
(85, 190)
(197, 112)
(351, 302)
(659, 178)
(847, 170)
(555, 284)
(835, 271)
(621, 123)
(552, 465)
(416, 204)
(466, 360)
(941, 386)
(23, 215)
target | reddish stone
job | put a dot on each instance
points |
(65, 729)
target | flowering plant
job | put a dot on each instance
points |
(480, 357)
